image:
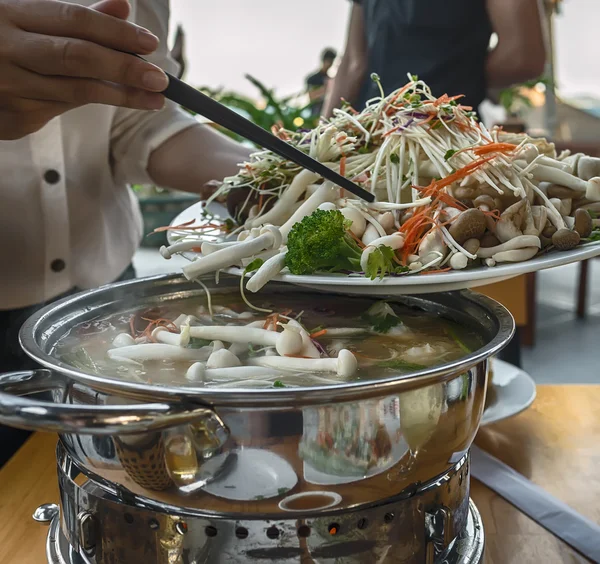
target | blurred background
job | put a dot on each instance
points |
(256, 57)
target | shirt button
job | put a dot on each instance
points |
(51, 176)
(58, 265)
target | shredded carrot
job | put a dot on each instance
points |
(343, 166)
(357, 239)
(261, 201)
(436, 271)
(196, 249)
(318, 334)
(132, 326)
(494, 148)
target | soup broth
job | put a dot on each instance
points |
(386, 338)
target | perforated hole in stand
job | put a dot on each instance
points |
(211, 531)
(241, 533)
(273, 532)
(128, 518)
(362, 523)
(333, 529)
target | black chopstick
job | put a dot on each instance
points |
(190, 98)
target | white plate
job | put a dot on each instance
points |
(258, 474)
(415, 284)
(514, 392)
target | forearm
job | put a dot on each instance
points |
(520, 54)
(346, 85)
(189, 160)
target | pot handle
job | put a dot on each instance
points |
(16, 410)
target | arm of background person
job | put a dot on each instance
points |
(520, 54)
(353, 66)
(169, 148)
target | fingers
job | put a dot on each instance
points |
(43, 91)
(63, 19)
(60, 56)
(115, 8)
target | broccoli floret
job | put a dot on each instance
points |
(320, 242)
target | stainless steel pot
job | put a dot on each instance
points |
(227, 453)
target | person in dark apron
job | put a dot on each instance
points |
(446, 44)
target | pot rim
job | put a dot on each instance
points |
(33, 329)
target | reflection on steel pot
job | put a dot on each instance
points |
(175, 444)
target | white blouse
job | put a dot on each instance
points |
(67, 216)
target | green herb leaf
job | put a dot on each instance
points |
(381, 317)
(254, 265)
(399, 364)
(196, 343)
(279, 384)
(395, 158)
(449, 154)
(375, 77)
(414, 77)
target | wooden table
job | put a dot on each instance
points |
(554, 443)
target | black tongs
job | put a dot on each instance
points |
(190, 98)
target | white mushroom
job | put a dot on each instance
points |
(431, 247)
(267, 271)
(588, 167)
(517, 243)
(123, 340)
(240, 348)
(199, 373)
(269, 238)
(359, 223)
(345, 365)
(222, 358)
(308, 347)
(327, 192)
(289, 341)
(458, 261)
(209, 247)
(516, 255)
(590, 187)
(370, 234)
(327, 206)
(236, 334)
(395, 242)
(179, 247)
(280, 212)
(163, 335)
(387, 221)
(158, 351)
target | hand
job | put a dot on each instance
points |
(55, 56)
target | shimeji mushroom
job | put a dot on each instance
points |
(345, 365)
(431, 248)
(267, 271)
(515, 255)
(179, 247)
(370, 234)
(126, 340)
(591, 187)
(588, 167)
(359, 223)
(281, 211)
(209, 247)
(469, 224)
(583, 223)
(181, 339)
(158, 351)
(269, 238)
(515, 244)
(198, 372)
(565, 239)
(287, 340)
(326, 192)
(308, 347)
(242, 347)
(395, 242)
(222, 358)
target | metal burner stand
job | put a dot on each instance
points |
(435, 524)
